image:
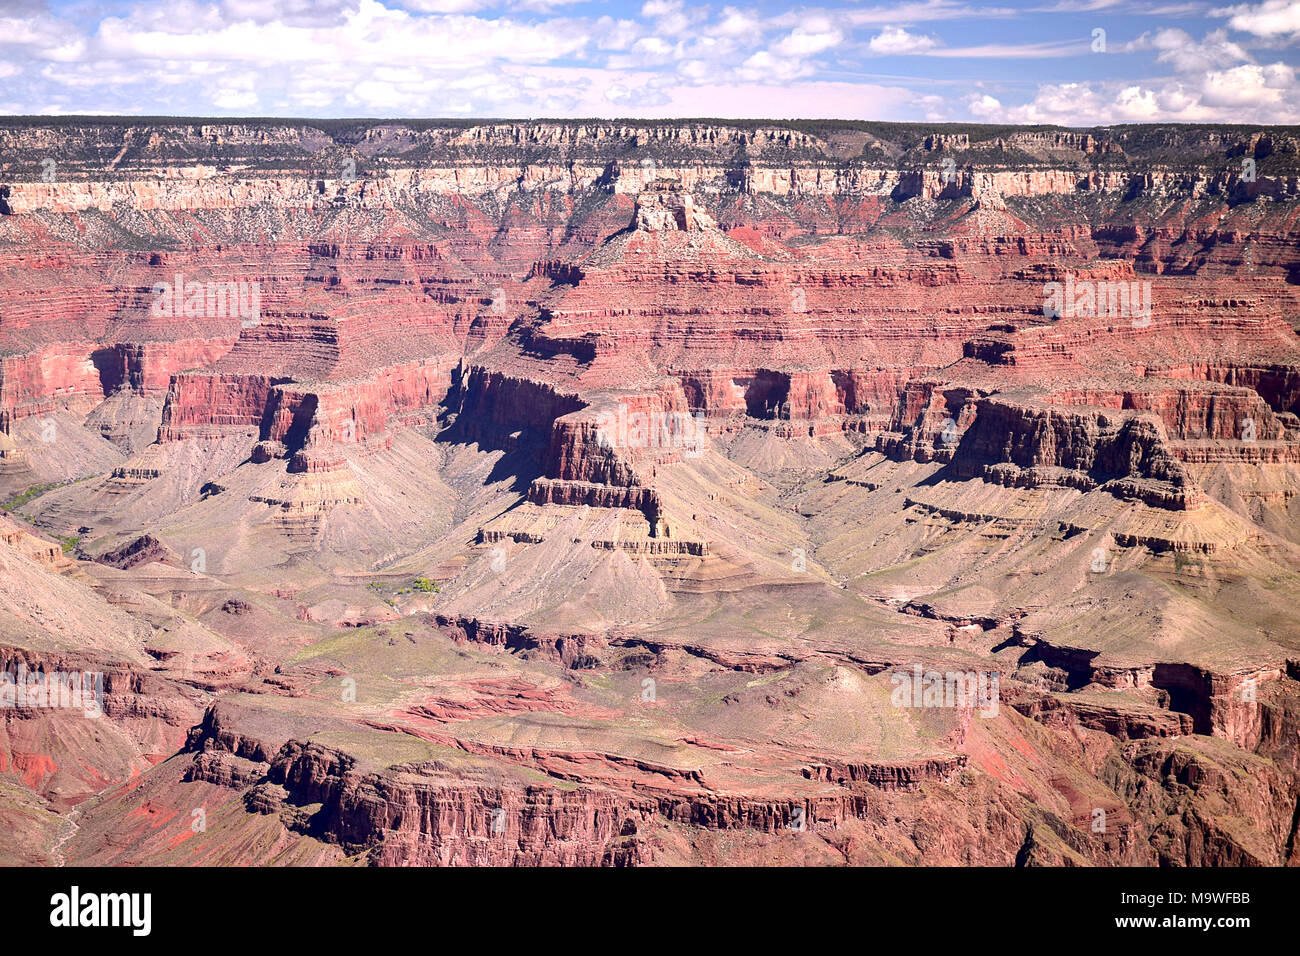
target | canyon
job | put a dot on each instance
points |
(575, 493)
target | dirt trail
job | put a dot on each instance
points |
(57, 856)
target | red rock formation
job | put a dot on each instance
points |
(733, 401)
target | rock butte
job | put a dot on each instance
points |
(574, 492)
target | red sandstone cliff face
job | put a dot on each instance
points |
(428, 822)
(491, 405)
(1097, 446)
(819, 340)
(213, 400)
(422, 815)
(129, 721)
(425, 814)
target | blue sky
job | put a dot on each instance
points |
(928, 60)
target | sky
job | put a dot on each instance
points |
(1067, 62)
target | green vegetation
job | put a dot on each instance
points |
(20, 499)
(31, 494)
(419, 584)
(68, 541)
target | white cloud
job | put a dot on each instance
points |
(635, 99)
(808, 99)
(373, 34)
(1250, 87)
(229, 99)
(927, 10)
(611, 34)
(308, 13)
(653, 46)
(763, 66)
(1015, 51)
(983, 106)
(519, 57)
(1137, 104)
(737, 23)
(448, 6)
(896, 40)
(672, 17)
(1273, 18)
(805, 42)
(1186, 55)
(1243, 94)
